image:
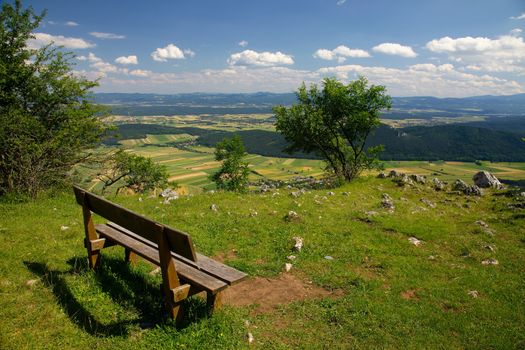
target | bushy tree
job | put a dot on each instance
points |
(134, 172)
(334, 122)
(233, 175)
(47, 121)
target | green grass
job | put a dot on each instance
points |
(374, 264)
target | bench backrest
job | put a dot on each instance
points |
(179, 242)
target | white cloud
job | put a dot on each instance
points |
(428, 80)
(81, 58)
(42, 39)
(516, 32)
(503, 54)
(171, 52)
(263, 59)
(340, 2)
(340, 53)
(243, 43)
(443, 80)
(127, 60)
(68, 23)
(522, 16)
(101, 35)
(140, 73)
(395, 49)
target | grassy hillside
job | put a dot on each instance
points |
(388, 293)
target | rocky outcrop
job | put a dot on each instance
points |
(168, 194)
(484, 179)
(462, 186)
(438, 184)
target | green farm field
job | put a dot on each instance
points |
(191, 168)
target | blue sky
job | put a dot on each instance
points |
(440, 48)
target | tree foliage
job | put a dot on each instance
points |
(47, 121)
(132, 171)
(334, 123)
(233, 175)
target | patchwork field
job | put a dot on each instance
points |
(174, 142)
(191, 169)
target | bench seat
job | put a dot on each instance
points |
(186, 273)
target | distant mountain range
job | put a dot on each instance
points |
(262, 102)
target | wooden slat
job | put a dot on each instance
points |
(180, 242)
(214, 268)
(187, 273)
(221, 271)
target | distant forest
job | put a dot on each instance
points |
(444, 142)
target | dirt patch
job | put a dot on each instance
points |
(268, 293)
(409, 294)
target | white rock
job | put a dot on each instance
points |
(291, 257)
(292, 215)
(473, 293)
(287, 267)
(331, 193)
(298, 243)
(250, 338)
(415, 241)
(482, 223)
(64, 228)
(328, 257)
(484, 179)
(490, 262)
(214, 207)
(31, 283)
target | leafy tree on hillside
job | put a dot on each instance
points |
(133, 171)
(233, 175)
(334, 123)
(47, 121)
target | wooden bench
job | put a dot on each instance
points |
(184, 272)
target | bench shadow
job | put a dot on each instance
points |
(125, 286)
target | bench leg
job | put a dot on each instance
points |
(213, 301)
(130, 257)
(91, 235)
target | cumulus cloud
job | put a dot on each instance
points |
(102, 35)
(340, 53)
(427, 80)
(127, 60)
(243, 43)
(42, 39)
(262, 59)
(503, 54)
(171, 52)
(522, 16)
(340, 2)
(395, 49)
